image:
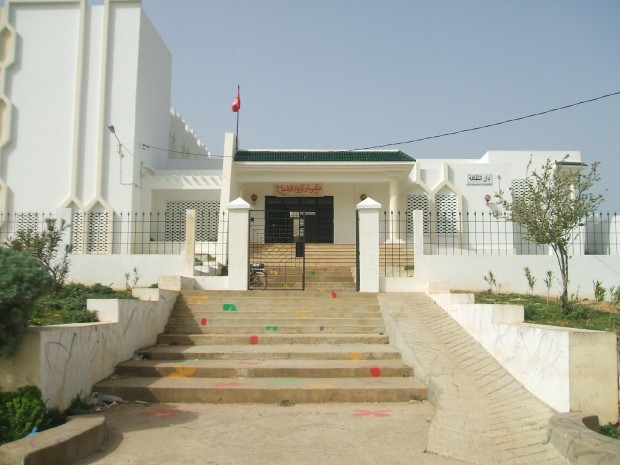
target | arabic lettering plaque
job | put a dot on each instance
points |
(477, 179)
(298, 190)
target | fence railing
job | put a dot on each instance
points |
(485, 234)
(150, 233)
(396, 245)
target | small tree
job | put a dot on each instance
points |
(553, 205)
(46, 246)
(22, 281)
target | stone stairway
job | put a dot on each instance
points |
(269, 347)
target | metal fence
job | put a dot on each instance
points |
(485, 234)
(396, 245)
(150, 233)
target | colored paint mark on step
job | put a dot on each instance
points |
(203, 322)
(230, 384)
(182, 372)
(302, 314)
(191, 361)
(251, 363)
(334, 295)
(271, 328)
(321, 328)
(312, 273)
(229, 307)
(355, 356)
(375, 372)
(253, 340)
(372, 413)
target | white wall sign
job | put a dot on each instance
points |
(485, 179)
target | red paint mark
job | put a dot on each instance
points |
(374, 413)
(203, 322)
(253, 340)
(231, 384)
(375, 372)
(334, 295)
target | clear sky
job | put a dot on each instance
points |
(345, 74)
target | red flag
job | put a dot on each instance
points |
(236, 105)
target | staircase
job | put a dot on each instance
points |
(269, 347)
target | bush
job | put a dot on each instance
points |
(23, 410)
(22, 281)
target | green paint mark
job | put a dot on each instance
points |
(312, 273)
(230, 307)
(271, 328)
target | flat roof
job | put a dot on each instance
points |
(309, 156)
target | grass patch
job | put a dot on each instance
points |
(69, 305)
(540, 310)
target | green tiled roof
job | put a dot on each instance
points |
(380, 156)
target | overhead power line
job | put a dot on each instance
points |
(512, 120)
(437, 136)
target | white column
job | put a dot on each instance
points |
(190, 241)
(368, 211)
(238, 240)
(393, 213)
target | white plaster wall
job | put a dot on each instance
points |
(71, 358)
(110, 269)
(568, 369)
(41, 87)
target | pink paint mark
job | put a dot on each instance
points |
(375, 372)
(253, 340)
(334, 295)
(374, 413)
(250, 362)
(231, 384)
(203, 322)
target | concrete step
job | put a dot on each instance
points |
(253, 349)
(271, 338)
(282, 312)
(274, 320)
(264, 390)
(289, 329)
(192, 296)
(264, 368)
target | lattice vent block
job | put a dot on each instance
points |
(207, 219)
(447, 213)
(77, 232)
(27, 222)
(97, 232)
(518, 188)
(417, 202)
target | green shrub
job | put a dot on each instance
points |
(23, 410)
(612, 430)
(22, 281)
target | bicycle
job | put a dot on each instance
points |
(258, 277)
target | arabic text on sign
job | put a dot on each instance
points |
(298, 190)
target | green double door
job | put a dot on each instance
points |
(299, 219)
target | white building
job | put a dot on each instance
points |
(87, 133)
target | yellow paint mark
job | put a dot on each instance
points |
(182, 372)
(355, 356)
(302, 314)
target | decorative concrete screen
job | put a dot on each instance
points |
(97, 236)
(27, 221)
(417, 202)
(447, 215)
(207, 217)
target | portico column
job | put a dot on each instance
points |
(368, 212)
(393, 212)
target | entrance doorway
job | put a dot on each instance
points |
(299, 219)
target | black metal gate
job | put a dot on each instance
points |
(277, 240)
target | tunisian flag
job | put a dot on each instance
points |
(236, 105)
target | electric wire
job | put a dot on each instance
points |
(437, 136)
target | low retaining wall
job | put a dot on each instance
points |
(568, 369)
(575, 436)
(66, 360)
